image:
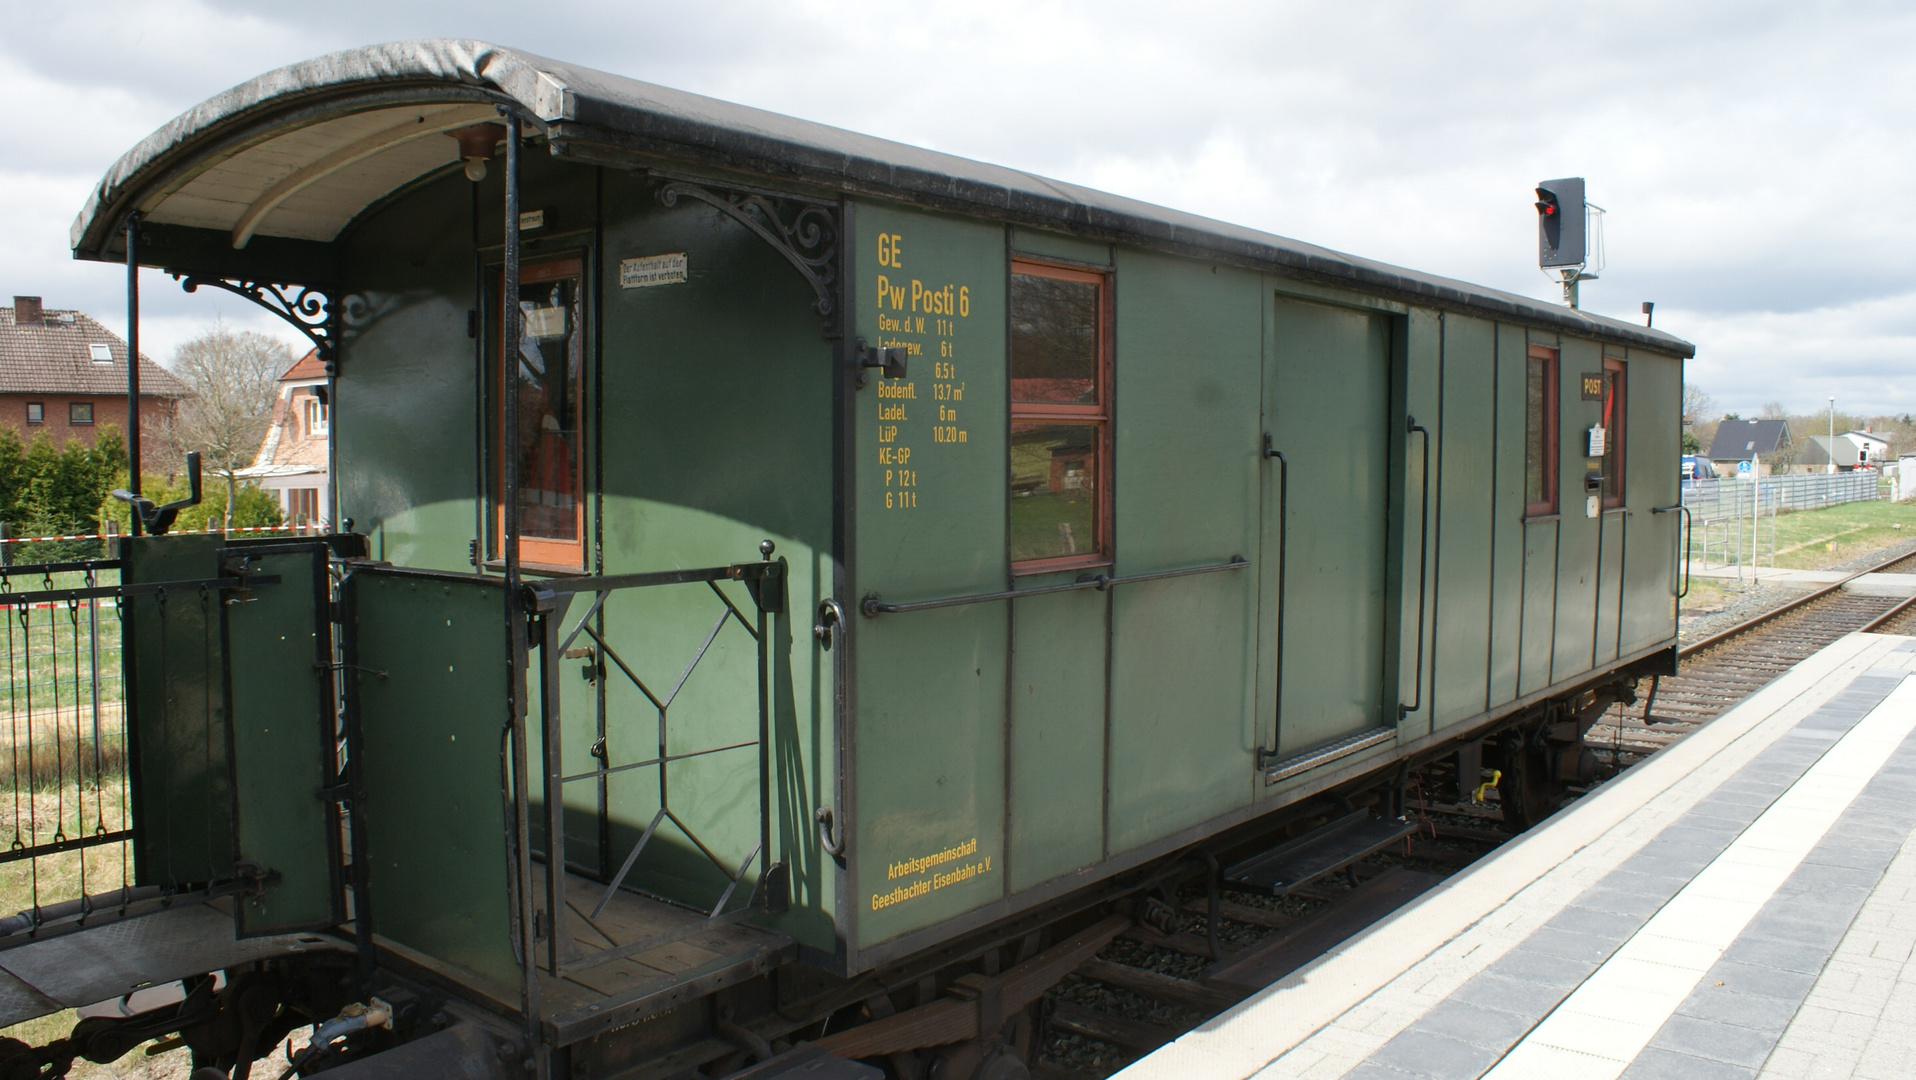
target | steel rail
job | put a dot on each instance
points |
(1806, 599)
(1888, 616)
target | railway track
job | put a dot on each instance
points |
(1728, 666)
(1146, 989)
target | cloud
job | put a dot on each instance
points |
(1749, 154)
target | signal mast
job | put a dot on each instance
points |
(1569, 234)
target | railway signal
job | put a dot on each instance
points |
(1564, 233)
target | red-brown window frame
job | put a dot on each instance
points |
(1100, 413)
(1615, 427)
(1553, 407)
(540, 552)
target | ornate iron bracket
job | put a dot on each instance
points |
(806, 233)
(309, 308)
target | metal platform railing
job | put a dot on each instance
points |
(552, 634)
(66, 818)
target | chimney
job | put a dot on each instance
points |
(26, 311)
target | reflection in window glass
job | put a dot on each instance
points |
(549, 357)
(1539, 494)
(1054, 489)
(1613, 404)
(1054, 340)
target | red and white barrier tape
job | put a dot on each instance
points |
(176, 532)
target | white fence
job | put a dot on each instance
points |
(1733, 522)
(1812, 491)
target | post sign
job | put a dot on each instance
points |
(1593, 386)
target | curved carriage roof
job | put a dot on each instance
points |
(298, 153)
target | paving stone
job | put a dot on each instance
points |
(1476, 1024)
(1763, 981)
(1659, 1064)
(1609, 926)
(1370, 1070)
(1778, 953)
(1421, 1053)
(1621, 901)
(1519, 997)
(1757, 1011)
(1715, 1041)
(1570, 945)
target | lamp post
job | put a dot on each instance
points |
(1832, 446)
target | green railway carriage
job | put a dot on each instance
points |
(864, 568)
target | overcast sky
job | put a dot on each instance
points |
(1754, 157)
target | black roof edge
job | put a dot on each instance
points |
(734, 152)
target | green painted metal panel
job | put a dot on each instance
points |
(717, 434)
(1052, 245)
(279, 685)
(1188, 476)
(1465, 499)
(182, 781)
(432, 662)
(1538, 634)
(1577, 533)
(1611, 551)
(1420, 396)
(1181, 749)
(1056, 758)
(1506, 526)
(927, 831)
(404, 424)
(1650, 561)
(1331, 403)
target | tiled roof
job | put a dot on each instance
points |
(1736, 440)
(53, 358)
(306, 367)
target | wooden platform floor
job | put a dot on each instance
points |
(581, 1002)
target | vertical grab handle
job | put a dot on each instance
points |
(1266, 753)
(1689, 535)
(1412, 427)
(831, 628)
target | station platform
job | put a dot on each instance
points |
(1741, 904)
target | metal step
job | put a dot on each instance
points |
(1324, 850)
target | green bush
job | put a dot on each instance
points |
(68, 492)
(251, 506)
(49, 492)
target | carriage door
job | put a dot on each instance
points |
(1327, 410)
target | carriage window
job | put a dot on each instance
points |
(546, 373)
(1060, 418)
(1615, 399)
(1540, 432)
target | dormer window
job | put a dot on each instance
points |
(315, 410)
(101, 354)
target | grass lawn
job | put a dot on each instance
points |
(1817, 539)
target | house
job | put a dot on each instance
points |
(1877, 446)
(63, 374)
(1740, 440)
(293, 458)
(1819, 450)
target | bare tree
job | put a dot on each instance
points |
(234, 377)
(1697, 406)
(1696, 403)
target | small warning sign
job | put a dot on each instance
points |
(648, 270)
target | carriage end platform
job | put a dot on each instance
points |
(1742, 904)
